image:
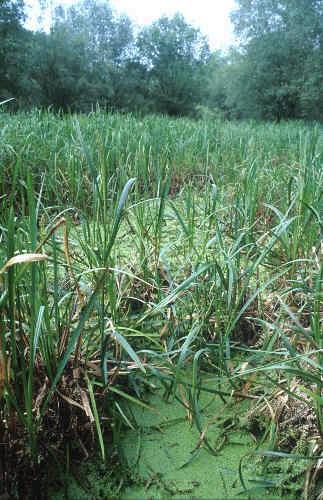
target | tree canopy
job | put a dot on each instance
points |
(280, 67)
(174, 54)
(94, 56)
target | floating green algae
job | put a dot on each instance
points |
(166, 456)
(170, 458)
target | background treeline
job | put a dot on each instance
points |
(93, 56)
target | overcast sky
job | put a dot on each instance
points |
(211, 16)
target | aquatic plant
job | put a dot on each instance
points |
(209, 260)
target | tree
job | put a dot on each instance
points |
(59, 69)
(175, 55)
(255, 18)
(81, 61)
(108, 37)
(218, 76)
(11, 37)
(279, 72)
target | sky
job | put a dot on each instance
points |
(211, 16)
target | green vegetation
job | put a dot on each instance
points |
(161, 274)
(142, 252)
(163, 456)
(93, 57)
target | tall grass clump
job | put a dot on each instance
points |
(54, 324)
(151, 247)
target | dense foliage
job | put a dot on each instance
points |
(92, 56)
(135, 249)
(140, 251)
(280, 71)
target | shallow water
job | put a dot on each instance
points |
(165, 457)
(169, 458)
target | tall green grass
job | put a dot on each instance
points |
(147, 245)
